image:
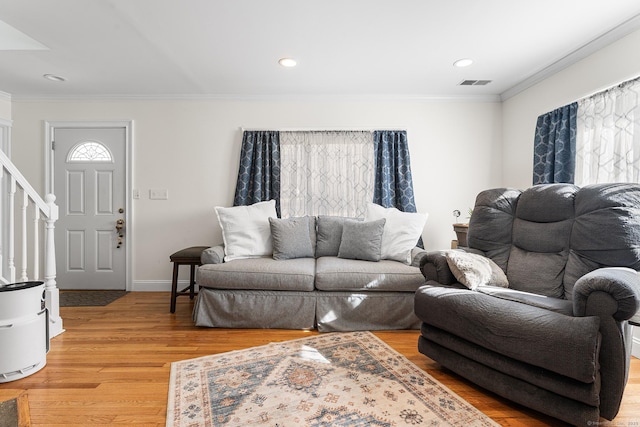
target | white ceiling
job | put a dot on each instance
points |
(350, 48)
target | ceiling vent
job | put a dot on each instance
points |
(474, 82)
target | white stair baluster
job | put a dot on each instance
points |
(23, 237)
(12, 233)
(36, 242)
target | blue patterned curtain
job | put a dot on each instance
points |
(554, 152)
(259, 172)
(393, 182)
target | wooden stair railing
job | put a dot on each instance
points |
(21, 200)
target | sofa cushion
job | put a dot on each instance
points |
(541, 239)
(245, 230)
(293, 237)
(401, 233)
(607, 226)
(473, 270)
(537, 272)
(606, 231)
(491, 225)
(259, 274)
(361, 240)
(547, 203)
(337, 274)
(527, 234)
(559, 305)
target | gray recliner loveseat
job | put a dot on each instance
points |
(554, 335)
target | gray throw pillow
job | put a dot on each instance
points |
(329, 235)
(361, 240)
(292, 237)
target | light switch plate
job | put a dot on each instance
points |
(159, 194)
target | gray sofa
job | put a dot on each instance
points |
(557, 338)
(323, 291)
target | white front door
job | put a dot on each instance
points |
(89, 184)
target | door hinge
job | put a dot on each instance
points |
(53, 145)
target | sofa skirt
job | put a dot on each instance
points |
(254, 309)
(326, 311)
(366, 311)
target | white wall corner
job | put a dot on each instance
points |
(5, 107)
(635, 351)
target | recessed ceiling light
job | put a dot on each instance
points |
(287, 62)
(465, 62)
(54, 78)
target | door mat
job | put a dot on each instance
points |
(337, 379)
(89, 298)
(15, 412)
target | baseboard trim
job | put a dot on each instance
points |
(155, 285)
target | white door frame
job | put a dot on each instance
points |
(50, 126)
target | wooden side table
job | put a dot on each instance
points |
(191, 257)
(461, 234)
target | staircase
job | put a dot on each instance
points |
(24, 218)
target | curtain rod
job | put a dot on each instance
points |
(597, 92)
(622, 83)
(355, 129)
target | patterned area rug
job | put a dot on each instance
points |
(337, 379)
(9, 413)
(89, 298)
(15, 412)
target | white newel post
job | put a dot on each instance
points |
(52, 293)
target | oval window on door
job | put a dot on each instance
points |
(89, 151)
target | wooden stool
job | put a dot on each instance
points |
(188, 256)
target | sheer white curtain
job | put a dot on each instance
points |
(608, 138)
(326, 173)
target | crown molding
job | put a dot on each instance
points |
(600, 42)
(4, 96)
(262, 98)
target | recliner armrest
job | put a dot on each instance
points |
(213, 255)
(433, 266)
(620, 283)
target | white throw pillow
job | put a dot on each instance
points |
(473, 270)
(401, 231)
(246, 231)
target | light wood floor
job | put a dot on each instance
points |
(112, 365)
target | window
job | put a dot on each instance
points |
(90, 151)
(608, 136)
